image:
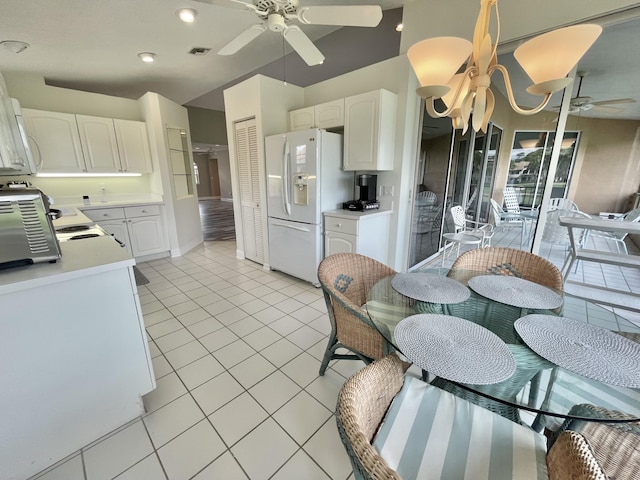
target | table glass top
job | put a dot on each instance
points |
(538, 383)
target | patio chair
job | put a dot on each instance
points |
(478, 234)
(345, 279)
(618, 238)
(426, 198)
(442, 430)
(556, 234)
(502, 218)
(562, 204)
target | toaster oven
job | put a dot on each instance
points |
(26, 229)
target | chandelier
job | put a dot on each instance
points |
(546, 59)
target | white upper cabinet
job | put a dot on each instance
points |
(98, 139)
(329, 114)
(133, 146)
(369, 130)
(68, 143)
(54, 141)
(325, 115)
(302, 119)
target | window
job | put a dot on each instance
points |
(181, 164)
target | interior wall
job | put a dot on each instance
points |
(224, 175)
(184, 226)
(32, 92)
(204, 187)
(214, 178)
(207, 126)
(608, 169)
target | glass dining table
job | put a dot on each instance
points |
(511, 345)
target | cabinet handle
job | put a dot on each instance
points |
(129, 221)
(144, 211)
(105, 214)
(338, 225)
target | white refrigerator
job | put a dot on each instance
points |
(304, 179)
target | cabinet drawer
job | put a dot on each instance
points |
(344, 225)
(104, 214)
(142, 211)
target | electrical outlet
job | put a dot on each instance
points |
(387, 191)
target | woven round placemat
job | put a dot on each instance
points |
(454, 349)
(582, 348)
(429, 287)
(515, 291)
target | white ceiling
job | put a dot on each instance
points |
(92, 45)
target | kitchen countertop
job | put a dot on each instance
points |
(355, 214)
(79, 258)
(71, 216)
(107, 201)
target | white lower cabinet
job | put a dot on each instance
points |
(366, 233)
(140, 228)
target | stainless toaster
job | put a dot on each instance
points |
(26, 230)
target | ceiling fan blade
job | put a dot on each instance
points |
(303, 46)
(341, 15)
(613, 102)
(243, 39)
(603, 109)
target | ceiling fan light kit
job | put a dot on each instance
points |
(277, 15)
(546, 59)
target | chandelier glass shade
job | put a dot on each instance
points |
(546, 59)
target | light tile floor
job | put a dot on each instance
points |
(236, 352)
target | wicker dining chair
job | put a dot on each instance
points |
(507, 261)
(345, 279)
(615, 446)
(371, 401)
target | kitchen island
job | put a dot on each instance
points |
(74, 358)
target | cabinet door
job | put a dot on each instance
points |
(146, 235)
(98, 139)
(301, 119)
(329, 114)
(133, 146)
(369, 130)
(335, 242)
(118, 228)
(54, 141)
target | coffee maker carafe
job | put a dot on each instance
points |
(368, 185)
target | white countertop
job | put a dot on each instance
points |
(355, 214)
(71, 216)
(106, 201)
(79, 258)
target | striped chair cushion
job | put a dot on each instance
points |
(431, 434)
(567, 389)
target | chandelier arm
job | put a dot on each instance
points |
(512, 100)
(431, 109)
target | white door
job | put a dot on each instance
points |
(249, 180)
(295, 248)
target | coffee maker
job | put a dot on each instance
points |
(367, 184)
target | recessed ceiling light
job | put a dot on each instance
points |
(147, 57)
(187, 15)
(16, 46)
(399, 27)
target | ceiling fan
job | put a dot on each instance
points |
(277, 15)
(581, 103)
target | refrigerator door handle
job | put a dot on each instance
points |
(293, 227)
(285, 177)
